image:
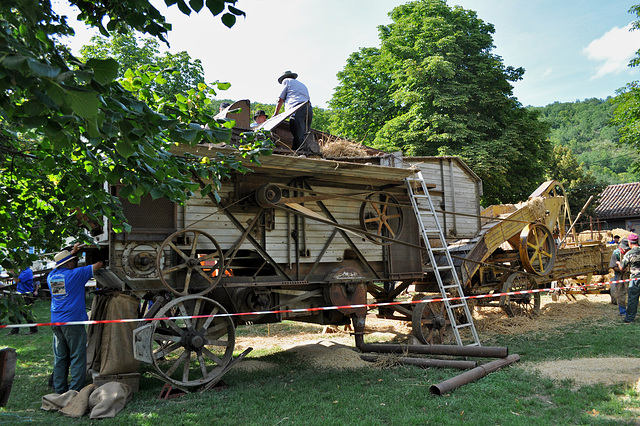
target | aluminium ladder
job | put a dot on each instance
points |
(426, 215)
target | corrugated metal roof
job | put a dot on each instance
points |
(621, 200)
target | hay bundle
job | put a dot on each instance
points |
(537, 207)
(342, 148)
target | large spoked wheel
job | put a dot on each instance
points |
(430, 323)
(192, 352)
(190, 262)
(381, 214)
(537, 249)
(527, 304)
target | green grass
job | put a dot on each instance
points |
(295, 392)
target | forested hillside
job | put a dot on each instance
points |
(585, 127)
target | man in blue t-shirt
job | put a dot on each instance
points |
(66, 283)
(27, 290)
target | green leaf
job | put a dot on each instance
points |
(156, 193)
(125, 191)
(83, 103)
(196, 5)
(229, 19)
(104, 70)
(124, 148)
(215, 6)
(222, 85)
(236, 11)
(184, 8)
(14, 62)
(39, 69)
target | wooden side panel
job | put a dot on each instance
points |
(456, 191)
(202, 214)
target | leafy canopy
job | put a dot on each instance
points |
(67, 126)
(434, 87)
(627, 104)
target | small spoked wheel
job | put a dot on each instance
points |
(190, 262)
(430, 323)
(192, 352)
(526, 304)
(382, 215)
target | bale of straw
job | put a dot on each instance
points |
(342, 148)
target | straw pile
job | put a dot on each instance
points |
(337, 148)
(604, 236)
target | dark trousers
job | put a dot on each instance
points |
(632, 302)
(70, 356)
(299, 124)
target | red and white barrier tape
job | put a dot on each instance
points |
(321, 308)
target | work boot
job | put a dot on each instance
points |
(33, 330)
(13, 331)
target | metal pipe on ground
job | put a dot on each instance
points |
(476, 351)
(472, 375)
(426, 362)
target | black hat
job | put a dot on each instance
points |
(287, 74)
(259, 113)
(225, 105)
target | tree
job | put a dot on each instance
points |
(67, 126)
(586, 127)
(179, 70)
(627, 109)
(434, 88)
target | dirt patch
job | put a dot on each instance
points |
(589, 371)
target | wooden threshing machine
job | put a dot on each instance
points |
(300, 234)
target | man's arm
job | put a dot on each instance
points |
(97, 266)
(278, 106)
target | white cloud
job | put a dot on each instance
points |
(613, 50)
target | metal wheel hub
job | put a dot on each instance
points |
(439, 321)
(193, 341)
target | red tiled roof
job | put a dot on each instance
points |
(621, 200)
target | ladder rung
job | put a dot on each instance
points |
(444, 268)
(459, 305)
(459, 326)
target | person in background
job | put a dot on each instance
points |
(631, 260)
(67, 285)
(223, 106)
(618, 291)
(258, 118)
(293, 94)
(616, 240)
(26, 288)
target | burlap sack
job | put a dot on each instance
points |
(110, 346)
(55, 401)
(79, 405)
(109, 399)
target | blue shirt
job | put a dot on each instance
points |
(25, 282)
(67, 293)
(293, 93)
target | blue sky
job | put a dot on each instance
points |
(571, 50)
